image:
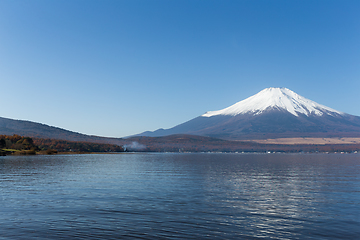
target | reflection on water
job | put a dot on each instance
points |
(191, 196)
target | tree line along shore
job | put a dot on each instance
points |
(20, 145)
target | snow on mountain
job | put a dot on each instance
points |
(276, 98)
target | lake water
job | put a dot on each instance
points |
(180, 196)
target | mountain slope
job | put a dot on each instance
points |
(272, 113)
(38, 130)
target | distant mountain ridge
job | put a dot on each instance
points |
(271, 113)
(38, 130)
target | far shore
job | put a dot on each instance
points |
(308, 140)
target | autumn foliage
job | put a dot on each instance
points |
(70, 146)
(25, 145)
(17, 142)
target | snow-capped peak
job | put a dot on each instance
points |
(278, 98)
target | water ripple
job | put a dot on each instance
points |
(180, 196)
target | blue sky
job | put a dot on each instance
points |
(116, 68)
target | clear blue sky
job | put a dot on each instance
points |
(116, 68)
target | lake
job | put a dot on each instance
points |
(180, 196)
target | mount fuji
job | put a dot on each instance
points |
(271, 113)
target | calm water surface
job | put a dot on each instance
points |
(180, 196)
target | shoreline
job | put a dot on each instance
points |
(308, 141)
(167, 152)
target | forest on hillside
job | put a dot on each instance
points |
(20, 145)
(70, 146)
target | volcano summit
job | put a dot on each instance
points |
(271, 113)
